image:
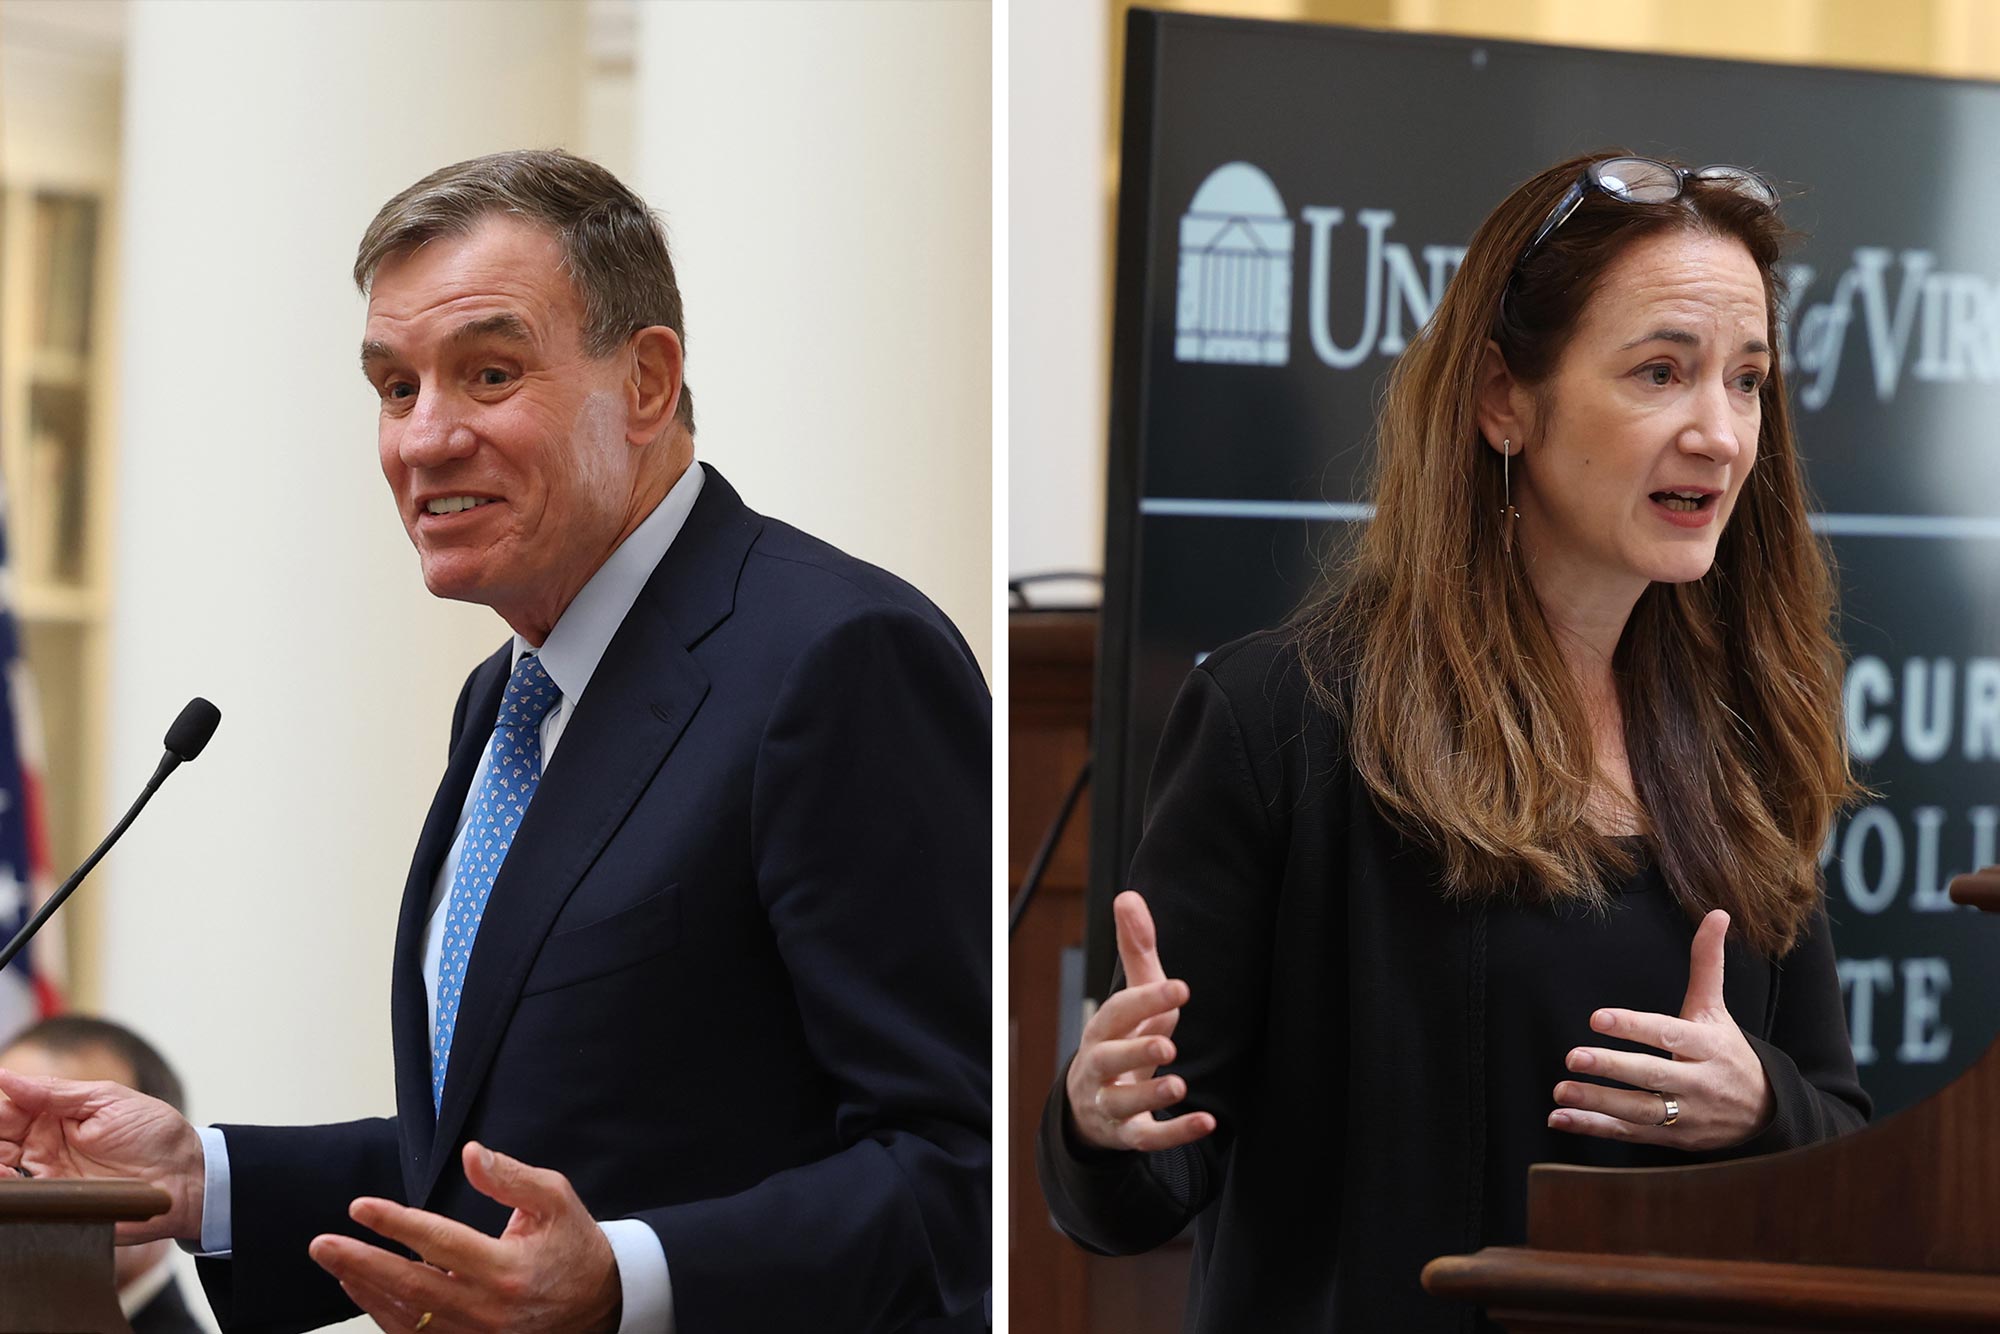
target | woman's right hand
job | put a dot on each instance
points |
(1111, 1084)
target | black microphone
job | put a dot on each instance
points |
(185, 740)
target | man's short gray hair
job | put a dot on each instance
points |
(613, 246)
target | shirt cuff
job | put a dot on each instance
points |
(216, 1234)
(647, 1289)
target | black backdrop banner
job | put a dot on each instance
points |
(1294, 199)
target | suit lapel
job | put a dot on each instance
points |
(409, 1008)
(639, 701)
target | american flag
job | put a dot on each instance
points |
(28, 985)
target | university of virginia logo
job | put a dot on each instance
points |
(1235, 298)
(1899, 312)
(1940, 327)
(1234, 303)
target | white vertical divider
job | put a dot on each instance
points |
(1059, 338)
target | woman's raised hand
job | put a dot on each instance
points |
(1112, 1088)
(1709, 1092)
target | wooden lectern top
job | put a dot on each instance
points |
(109, 1201)
(56, 1271)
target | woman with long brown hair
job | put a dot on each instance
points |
(1506, 849)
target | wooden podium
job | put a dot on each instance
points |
(55, 1253)
(1056, 1287)
(1895, 1229)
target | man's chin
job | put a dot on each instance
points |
(455, 580)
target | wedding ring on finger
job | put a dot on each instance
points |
(1670, 1110)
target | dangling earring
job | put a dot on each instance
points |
(1507, 511)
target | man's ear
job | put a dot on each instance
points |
(1500, 402)
(653, 393)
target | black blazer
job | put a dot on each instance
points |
(734, 976)
(1335, 1029)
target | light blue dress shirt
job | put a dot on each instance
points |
(570, 656)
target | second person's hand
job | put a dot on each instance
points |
(1113, 1085)
(1710, 1090)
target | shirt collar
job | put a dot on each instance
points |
(576, 645)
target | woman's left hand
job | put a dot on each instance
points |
(1712, 1078)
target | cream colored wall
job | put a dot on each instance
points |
(1056, 450)
(825, 174)
(245, 922)
(247, 918)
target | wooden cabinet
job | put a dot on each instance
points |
(60, 93)
(1055, 1287)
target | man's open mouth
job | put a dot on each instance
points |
(453, 504)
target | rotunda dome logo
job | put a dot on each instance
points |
(1234, 302)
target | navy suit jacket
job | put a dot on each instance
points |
(734, 978)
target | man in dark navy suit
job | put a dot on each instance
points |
(692, 979)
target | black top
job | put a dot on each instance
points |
(1546, 971)
(1370, 1116)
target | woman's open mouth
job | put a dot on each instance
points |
(1688, 509)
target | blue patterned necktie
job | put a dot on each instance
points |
(513, 771)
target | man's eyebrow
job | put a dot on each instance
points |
(1669, 334)
(505, 326)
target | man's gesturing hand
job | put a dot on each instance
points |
(552, 1269)
(1718, 1086)
(69, 1129)
(1111, 1085)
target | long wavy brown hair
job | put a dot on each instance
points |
(1462, 716)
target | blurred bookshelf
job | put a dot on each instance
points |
(60, 91)
(51, 440)
(48, 476)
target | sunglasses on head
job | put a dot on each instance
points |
(1644, 180)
